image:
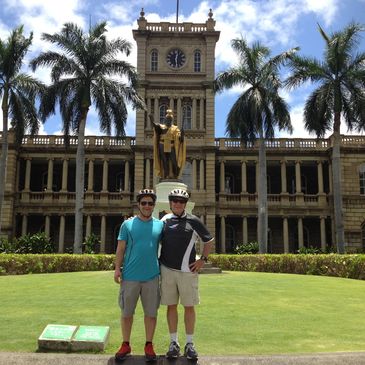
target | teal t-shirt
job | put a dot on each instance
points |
(142, 239)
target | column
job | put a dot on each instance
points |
(61, 238)
(28, 167)
(223, 234)
(50, 175)
(147, 173)
(300, 233)
(64, 174)
(126, 176)
(298, 180)
(102, 234)
(283, 176)
(323, 233)
(194, 174)
(286, 235)
(201, 175)
(88, 226)
(90, 182)
(24, 224)
(193, 119)
(178, 113)
(221, 179)
(320, 177)
(148, 121)
(47, 225)
(330, 183)
(201, 117)
(156, 110)
(171, 105)
(244, 231)
(243, 177)
(105, 175)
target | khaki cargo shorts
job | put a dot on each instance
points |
(149, 291)
(177, 284)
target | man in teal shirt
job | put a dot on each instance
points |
(137, 250)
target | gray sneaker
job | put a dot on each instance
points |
(190, 352)
(174, 350)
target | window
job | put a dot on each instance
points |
(363, 236)
(362, 179)
(163, 109)
(154, 60)
(197, 61)
(186, 122)
(187, 173)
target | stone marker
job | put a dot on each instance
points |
(90, 338)
(56, 337)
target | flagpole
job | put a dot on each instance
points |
(177, 11)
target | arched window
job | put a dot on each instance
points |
(186, 122)
(362, 179)
(154, 60)
(163, 108)
(197, 61)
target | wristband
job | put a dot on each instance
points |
(204, 258)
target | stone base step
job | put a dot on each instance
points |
(208, 268)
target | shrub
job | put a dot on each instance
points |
(15, 264)
(91, 244)
(309, 250)
(346, 266)
(251, 247)
(37, 243)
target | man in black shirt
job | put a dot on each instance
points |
(179, 269)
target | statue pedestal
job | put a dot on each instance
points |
(162, 190)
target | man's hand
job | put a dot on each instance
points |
(117, 275)
(197, 265)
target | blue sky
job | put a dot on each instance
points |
(279, 24)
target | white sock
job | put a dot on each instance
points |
(173, 337)
(189, 338)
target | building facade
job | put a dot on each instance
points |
(176, 68)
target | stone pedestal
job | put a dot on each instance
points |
(162, 190)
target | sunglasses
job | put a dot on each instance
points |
(181, 201)
(150, 204)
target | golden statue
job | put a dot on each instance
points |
(169, 148)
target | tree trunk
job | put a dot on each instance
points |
(4, 152)
(337, 192)
(80, 177)
(262, 222)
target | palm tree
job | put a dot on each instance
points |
(87, 72)
(258, 111)
(340, 94)
(18, 93)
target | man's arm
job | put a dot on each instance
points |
(119, 256)
(198, 264)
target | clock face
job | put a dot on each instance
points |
(176, 58)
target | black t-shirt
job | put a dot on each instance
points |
(178, 240)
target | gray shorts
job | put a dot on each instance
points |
(177, 285)
(149, 291)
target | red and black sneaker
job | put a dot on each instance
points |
(123, 352)
(149, 352)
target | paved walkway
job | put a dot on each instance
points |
(342, 358)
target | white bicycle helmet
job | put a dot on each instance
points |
(146, 192)
(179, 193)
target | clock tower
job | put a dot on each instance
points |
(176, 64)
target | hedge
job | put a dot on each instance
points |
(14, 264)
(345, 266)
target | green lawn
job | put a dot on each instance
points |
(240, 313)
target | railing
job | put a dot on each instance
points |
(180, 27)
(289, 143)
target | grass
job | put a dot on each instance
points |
(240, 312)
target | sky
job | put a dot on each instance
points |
(278, 24)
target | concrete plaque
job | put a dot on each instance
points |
(90, 338)
(56, 337)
